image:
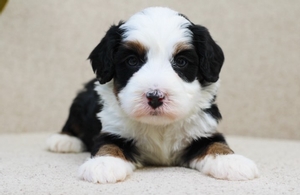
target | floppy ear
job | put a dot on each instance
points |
(211, 57)
(102, 56)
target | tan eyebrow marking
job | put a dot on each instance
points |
(181, 47)
(136, 46)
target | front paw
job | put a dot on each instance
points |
(229, 167)
(105, 169)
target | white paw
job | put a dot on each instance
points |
(230, 167)
(65, 144)
(105, 169)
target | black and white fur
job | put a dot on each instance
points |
(153, 102)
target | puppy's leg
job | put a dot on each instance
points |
(82, 124)
(112, 160)
(216, 159)
(67, 141)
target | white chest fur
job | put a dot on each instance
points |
(161, 146)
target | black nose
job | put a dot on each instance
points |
(155, 99)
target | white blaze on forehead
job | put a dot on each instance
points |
(158, 28)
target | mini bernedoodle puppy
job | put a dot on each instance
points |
(153, 103)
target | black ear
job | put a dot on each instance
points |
(211, 57)
(102, 56)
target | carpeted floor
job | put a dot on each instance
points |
(27, 168)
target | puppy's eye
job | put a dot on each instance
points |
(180, 62)
(132, 61)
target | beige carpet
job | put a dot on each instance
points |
(27, 168)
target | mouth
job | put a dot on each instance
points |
(155, 113)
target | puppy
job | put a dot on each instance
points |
(153, 103)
